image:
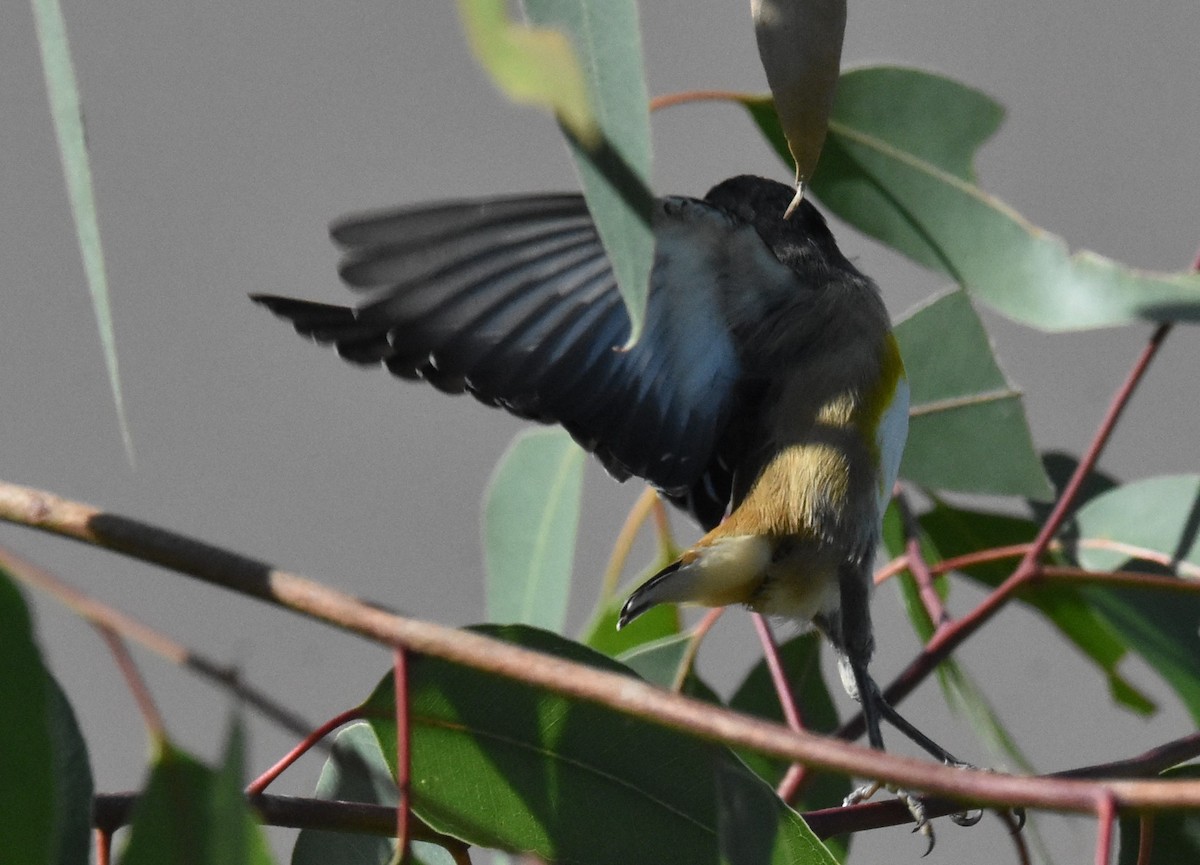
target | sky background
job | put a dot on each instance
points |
(224, 138)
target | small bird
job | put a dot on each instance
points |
(766, 396)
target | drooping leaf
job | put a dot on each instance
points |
(501, 764)
(193, 815)
(1176, 835)
(616, 171)
(800, 45)
(62, 90)
(29, 811)
(967, 426)
(530, 518)
(897, 164)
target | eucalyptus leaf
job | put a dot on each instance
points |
(897, 165)
(62, 91)
(191, 814)
(616, 171)
(967, 426)
(530, 519)
(500, 764)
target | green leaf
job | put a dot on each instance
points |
(1157, 516)
(533, 66)
(29, 813)
(955, 532)
(1128, 527)
(654, 624)
(500, 764)
(530, 518)
(356, 771)
(73, 782)
(659, 662)
(616, 173)
(1176, 836)
(62, 90)
(897, 164)
(756, 828)
(800, 45)
(967, 425)
(1162, 627)
(193, 815)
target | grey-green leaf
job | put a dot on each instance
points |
(616, 173)
(967, 425)
(530, 517)
(62, 90)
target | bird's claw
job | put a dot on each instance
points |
(914, 805)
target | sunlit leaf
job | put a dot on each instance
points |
(530, 518)
(501, 764)
(62, 90)
(616, 172)
(967, 428)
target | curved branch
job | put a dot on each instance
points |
(44, 511)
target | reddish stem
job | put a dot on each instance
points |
(1106, 816)
(259, 784)
(403, 750)
(1145, 839)
(135, 682)
(787, 700)
(917, 565)
(103, 847)
(950, 637)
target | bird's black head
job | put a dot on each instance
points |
(802, 241)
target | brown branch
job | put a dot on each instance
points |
(917, 566)
(616, 691)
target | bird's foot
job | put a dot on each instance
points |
(911, 802)
(974, 815)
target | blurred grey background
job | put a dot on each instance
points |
(224, 137)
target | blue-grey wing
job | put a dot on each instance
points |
(514, 301)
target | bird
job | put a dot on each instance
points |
(766, 395)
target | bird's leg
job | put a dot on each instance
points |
(856, 641)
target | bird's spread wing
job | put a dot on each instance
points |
(514, 301)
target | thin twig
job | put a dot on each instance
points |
(796, 773)
(1009, 819)
(950, 637)
(311, 738)
(1145, 839)
(917, 566)
(613, 690)
(403, 750)
(623, 545)
(99, 613)
(136, 684)
(688, 661)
